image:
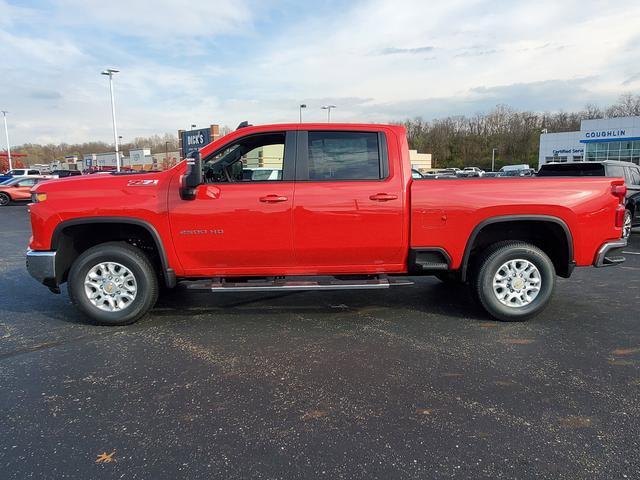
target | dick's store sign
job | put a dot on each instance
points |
(194, 140)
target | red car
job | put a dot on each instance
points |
(17, 189)
(343, 212)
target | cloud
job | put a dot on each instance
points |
(45, 95)
(632, 79)
(224, 61)
(405, 51)
(161, 19)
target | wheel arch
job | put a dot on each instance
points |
(561, 255)
(66, 253)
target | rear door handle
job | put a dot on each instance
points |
(274, 199)
(383, 197)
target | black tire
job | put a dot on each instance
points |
(130, 257)
(489, 264)
(628, 224)
(4, 199)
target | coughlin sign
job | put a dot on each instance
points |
(606, 134)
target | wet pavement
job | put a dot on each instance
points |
(413, 382)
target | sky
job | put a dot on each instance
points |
(225, 61)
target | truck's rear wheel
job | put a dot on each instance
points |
(113, 283)
(514, 281)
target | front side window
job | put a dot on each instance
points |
(30, 182)
(257, 158)
(344, 156)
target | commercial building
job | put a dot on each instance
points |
(598, 139)
(420, 161)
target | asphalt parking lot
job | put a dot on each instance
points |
(409, 383)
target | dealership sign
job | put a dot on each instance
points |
(573, 151)
(194, 140)
(605, 134)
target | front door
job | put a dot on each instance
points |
(241, 220)
(348, 209)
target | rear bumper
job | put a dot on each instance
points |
(41, 265)
(610, 253)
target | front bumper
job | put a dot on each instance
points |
(41, 265)
(610, 253)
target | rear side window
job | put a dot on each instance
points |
(635, 176)
(33, 172)
(344, 156)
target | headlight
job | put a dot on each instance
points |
(38, 197)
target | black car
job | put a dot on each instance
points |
(607, 168)
(65, 173)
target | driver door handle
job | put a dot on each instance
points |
(383, 197)
(274, 199)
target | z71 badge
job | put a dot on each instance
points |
(141, 183)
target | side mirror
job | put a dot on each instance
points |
(192, 177)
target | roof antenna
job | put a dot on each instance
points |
(244, 124)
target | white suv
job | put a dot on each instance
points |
(24, 172)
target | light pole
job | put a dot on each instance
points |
(328, 109)
(301, 107)
(6, 132)
(109, 72)
(493, 159)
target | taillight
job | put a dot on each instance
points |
(619, 189)
(620, 210)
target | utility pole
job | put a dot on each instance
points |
(493, 160)
(109, 72)
(301, 107)
(328, 109)
(6, 132)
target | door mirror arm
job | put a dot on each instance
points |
(192, 177)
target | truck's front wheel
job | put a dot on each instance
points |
(514, 281)
(113, 283)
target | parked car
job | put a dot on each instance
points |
(416, 173)
(471, 172)
(522, 170)
(65, 173)
(607, 168)
(17, 189)
(20, 172)
(356, 221)
(444, 173)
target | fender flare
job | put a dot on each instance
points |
(167, 272)
(513, 218)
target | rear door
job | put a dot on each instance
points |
(348, 207)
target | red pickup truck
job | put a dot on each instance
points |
(316, 206)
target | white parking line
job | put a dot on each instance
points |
(631, 253)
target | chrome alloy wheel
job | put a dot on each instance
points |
(517, 283)
(110, 286)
